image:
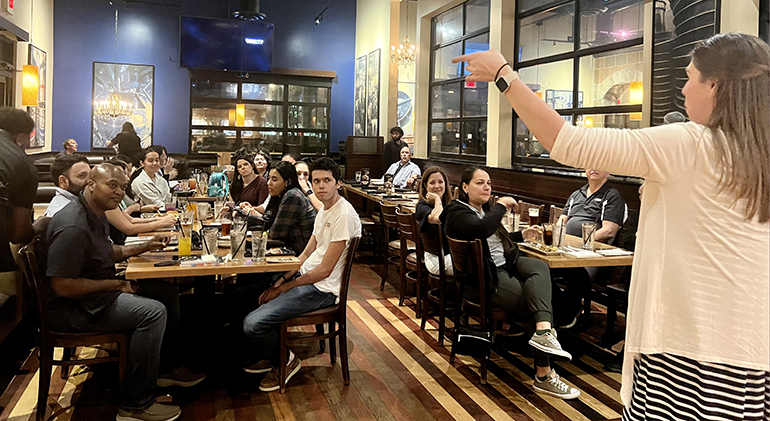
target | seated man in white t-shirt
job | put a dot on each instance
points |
(315, 286)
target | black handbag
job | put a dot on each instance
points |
(473, 342)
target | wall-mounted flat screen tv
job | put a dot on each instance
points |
(226, 44)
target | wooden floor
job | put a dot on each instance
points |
(398, 372)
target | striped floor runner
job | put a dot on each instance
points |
(398, 372)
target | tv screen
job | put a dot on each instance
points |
(226, 44)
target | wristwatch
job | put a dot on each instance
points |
(504, 82)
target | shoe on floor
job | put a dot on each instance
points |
(154, 412)
(270, 383)
(548, 343)
(554, 386)
(262, 366)
(182, 377)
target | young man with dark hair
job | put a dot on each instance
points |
(316, 285)
(70, 175)
(391, 152)
(18, 183)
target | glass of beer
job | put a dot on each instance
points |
(226, 226)
(534, 216)
(192, 183)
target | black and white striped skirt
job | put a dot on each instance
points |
(670, 387)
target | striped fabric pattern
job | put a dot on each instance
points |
(670, 387)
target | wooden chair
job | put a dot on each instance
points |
(432, 240)
(393, 252)
(335, 316)
(411, 258)
(49, 339)
(554, 213)
(370, 223)
(524, 211)
(468, 262)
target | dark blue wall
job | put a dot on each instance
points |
(84, 33)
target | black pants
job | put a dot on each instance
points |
(577, 281)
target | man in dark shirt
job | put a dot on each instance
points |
(391, 152)
(86, 294)
(18, 183)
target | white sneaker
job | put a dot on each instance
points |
(554, 386)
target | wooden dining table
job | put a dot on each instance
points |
(563, 260)
(408, 200)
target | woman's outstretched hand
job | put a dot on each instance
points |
(482, 65)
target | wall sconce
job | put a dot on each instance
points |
(636, 93)
(30, 84)
(231, 117)
(240, 115)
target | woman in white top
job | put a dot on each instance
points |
(697, 327)
(149, 186)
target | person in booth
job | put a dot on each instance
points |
(404, 171)
(520, 284)
(391, 151)
(70, 147)
(316, 285)
(149, 185)
(247, 185)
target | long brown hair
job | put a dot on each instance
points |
(501, 232)
(447, 196)
(740, 122)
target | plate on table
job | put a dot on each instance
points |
(541, 249)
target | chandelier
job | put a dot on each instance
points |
(406, 52)
(113, 107)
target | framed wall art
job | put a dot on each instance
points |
(359, 110)
(38, 57)
(373, 93)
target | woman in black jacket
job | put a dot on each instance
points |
(519, 283)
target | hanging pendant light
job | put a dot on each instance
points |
(406, 52)
(114, 106)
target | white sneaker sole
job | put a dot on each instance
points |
(559, 353)
(259, 371)
(121, 418)
(557, 395)
(289, 375)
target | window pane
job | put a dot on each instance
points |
(525, 5)
(475, 137)
(307, 94)
(272, 141)
(612, 121)
(475, 98)
(477, 15)
(445, 137)
(448, 25)
(209, 89)
(552, 82)
(526, 145)
(446, 100)
(547, 33)
(475, 44)
(612, 78)
(263, 115)
(262, 91)
(212, 140)
(609, 22)
(304, 117)
(442, 59)
(213, 115)
(311, 142)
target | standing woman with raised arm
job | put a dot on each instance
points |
(697, 335)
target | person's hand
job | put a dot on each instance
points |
(169, 165)
(509, 202)
(483, 65)
(270, 294)
(168, 221)
(432, 198)
(303, 184)
(531, 232)
(157, 242)
(149, 208)
(129, 287)
(109, 143)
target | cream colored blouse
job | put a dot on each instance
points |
(700, 280)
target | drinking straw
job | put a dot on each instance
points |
(237, 249)
(178, 224)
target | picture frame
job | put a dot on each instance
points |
(39, 58)
(373, 93)
(359, 101)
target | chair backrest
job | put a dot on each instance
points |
(468, 260)
(389, 215)
(524, 210)
(352, 248)
(554, 213)
(432, 239)
(292, 148)
(29, 254)
(408, 229)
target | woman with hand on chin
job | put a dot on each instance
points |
(697, 343)
(303, 176)
(434, 197)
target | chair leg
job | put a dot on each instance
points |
(418, 292)
(319, 329)
(66, 356)
(123, 362)
(484, 362)
(384, 271)
(425, 312)
(402, 275)
(284, 357)
(45, 359)
(458, 304)
(441, 314)
(343, 338)
(332, 344)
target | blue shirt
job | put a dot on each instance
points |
(409, 169)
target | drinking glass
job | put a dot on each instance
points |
(238, 240)
(258, 246)
(589, 229)
(548, 234)
(185, 239)
(226, 225)
(534, 216)
(185, 185)
(203, 211)
(358, 176)
(192, 183)
(210, 236)
(219, 203)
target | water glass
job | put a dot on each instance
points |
(258, 246)
(219, 203)
(358, 176)
(238, 240)
(210, 236)
(203, 211)
(589, 229)
(186, 217)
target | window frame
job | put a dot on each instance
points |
(460, 155)
(576, 54)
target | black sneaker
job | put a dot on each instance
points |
(262, 366)
(182, 377)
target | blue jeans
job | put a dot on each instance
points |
(261, 325)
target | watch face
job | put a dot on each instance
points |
(502, 85)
